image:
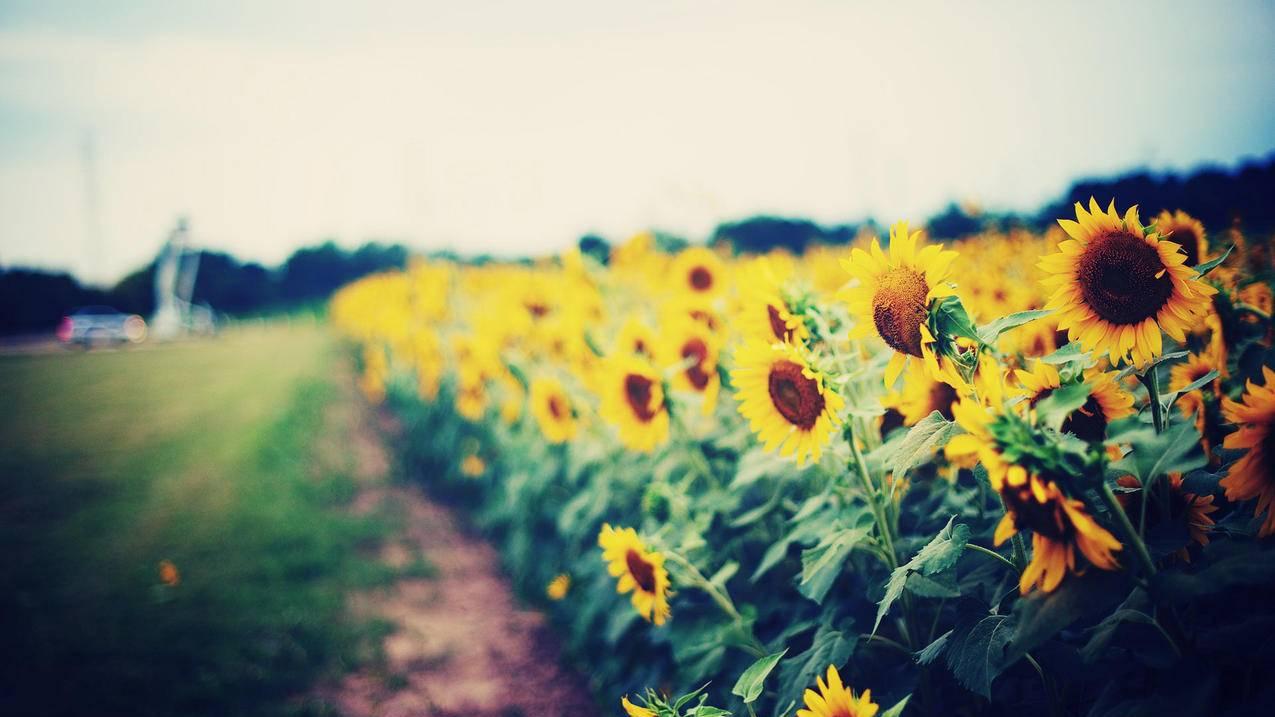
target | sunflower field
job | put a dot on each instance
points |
(1017, 473)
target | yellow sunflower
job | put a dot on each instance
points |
(558, 587)
(699, 272)
(1187, 232)
(689, 345)
(1183, 374)
(974, 413)
(893, 294)
(635, 338)
(473, 466)
(836, 700)
(1188, 508)
(632, 400)
(1116, 287)
(765, 314)
(1253, 476)
(1060, 526)
(921, 395)
(639, 570)
(553, 409)
(1107, 401)
(785, 400)
(633, 710)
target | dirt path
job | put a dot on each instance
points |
(463, 645)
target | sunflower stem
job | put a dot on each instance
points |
(719, 596)
(1130, 533)
(1151, 380)
(994, 554)
(883, 524)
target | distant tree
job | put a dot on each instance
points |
(596, 247)
(953, 223)
(36, 300)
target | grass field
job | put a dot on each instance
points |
(202, 454)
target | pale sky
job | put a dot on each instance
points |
(507, 127)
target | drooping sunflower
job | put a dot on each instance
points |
(1253, 476)
(765, 314)
(632, 400)
(1187, 232)
(1188, 508)
(835, 699)
(1060, 526)
(553, 409)
(690, 346)
(786, 401)
(639, 571)
(1107, 401)
(1117, 286)
(699, 272)
(893, 294)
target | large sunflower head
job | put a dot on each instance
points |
(690, 347)
(893, 292)
(767, 314)
(1106, 402)
(835, 699)
(699, 272)
(1118, 285)
(632, 400)
(1253, 476)
(1186, 231)
(639, 571)
(553, 409)
(1060, 527)
(786, 401)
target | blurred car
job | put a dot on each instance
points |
(100, 325)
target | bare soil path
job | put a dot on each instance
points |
(462, 644)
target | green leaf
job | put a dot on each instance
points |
(988, 333)
(829, 647)
(1069, 353)
(1228, 564)
(938, 555)
(1212, 264)
(726, 572)
(1100, 635)
(1054, 409)
(927, 436)
(1040, 616)
(803, 532)
(1142, 370)
(934, 649)
(951, 319)
(939, 586)
(898, 707)
(977, 655)
(822, 564)
(749, 684)
(1195, 385)
(1177, 450)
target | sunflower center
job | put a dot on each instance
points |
(795, 395)
(637, 389)
(1088, 422)
(695, 373)
(898, 309)
(556, 409)
(1047, 519)
(1186, 238)
(701, 279)
(777, 324)
(1122, 278)
(643, 572)
(942, 396)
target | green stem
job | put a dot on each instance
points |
(1151, 380)
(993, 554)
(1130, 534)
(723, 601)
(887, 642)
(883, 524)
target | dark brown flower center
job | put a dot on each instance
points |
(1185, 236)
(695, 373)
(777, 324)
(794, 395)
(643, 572)
(1122, 278)
(556, 409)
(1088, 422)
(898, 309)
(1047, 519)
(637, 389)
(701, 279)
(942, 396)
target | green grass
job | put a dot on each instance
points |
(198, 453)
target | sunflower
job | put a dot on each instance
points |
(1107, 402)
(632, 399)
(699, 272)
(471, 395)
(920, 396)
(558, 587)
(1059, 525)
(639, 570)
(785, 400)
(975, 413)
(553, 409)
(473, 466)
(692, 348)
(836, 700)
(1117, 286)
(1189, 508)
(1253, 476)
(1183, 374)
(766, 315)
(893, 295)
(633, 710)
(635, 338)
(1187, 232)
(168, 573)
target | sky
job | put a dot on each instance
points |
(516, 127)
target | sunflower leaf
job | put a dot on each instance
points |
(1195, 385)
(1177, 450)
(898, 707)
(822, 564)
(1040, 616)
(938, 555)
(1069, 353)
(829, 647)
(1212, 264)
(976, 654)
(749, 685)
(922, 440)
(1054, 408)
(988, 333)
(931, 651)
(951, 319)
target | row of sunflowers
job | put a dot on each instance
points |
(1014, 472)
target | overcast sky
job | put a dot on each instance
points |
(506, 127)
